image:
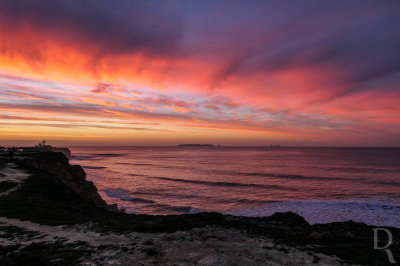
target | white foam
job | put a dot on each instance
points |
(194, 211)
(378, 212)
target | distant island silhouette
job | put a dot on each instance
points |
(196, 145)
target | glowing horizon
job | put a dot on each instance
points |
(229, 73)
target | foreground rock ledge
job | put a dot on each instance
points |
(54, 208)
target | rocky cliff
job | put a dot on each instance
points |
(56, 164)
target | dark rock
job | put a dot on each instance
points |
(148, 242)
(151, 251)
(73, 176)
(6, 185)
(288, 219)
(55, 254)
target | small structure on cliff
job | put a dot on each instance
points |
(42, 147)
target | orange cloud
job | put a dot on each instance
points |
(179, 109)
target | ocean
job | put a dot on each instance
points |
(321, 184)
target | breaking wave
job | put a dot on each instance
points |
(378, 212)
(223, 184)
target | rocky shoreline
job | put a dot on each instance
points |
(47, 204)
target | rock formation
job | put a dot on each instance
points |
(73, 176)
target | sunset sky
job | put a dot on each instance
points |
(99, 72)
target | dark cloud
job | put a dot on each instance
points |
(359, 39)
(102, 88)
(166, 100)
(212, 107)
(91, 110)
(116, 27)
(223, 101)
(75, 125)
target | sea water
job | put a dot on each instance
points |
(321, 184)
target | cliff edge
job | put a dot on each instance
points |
(56, 165)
